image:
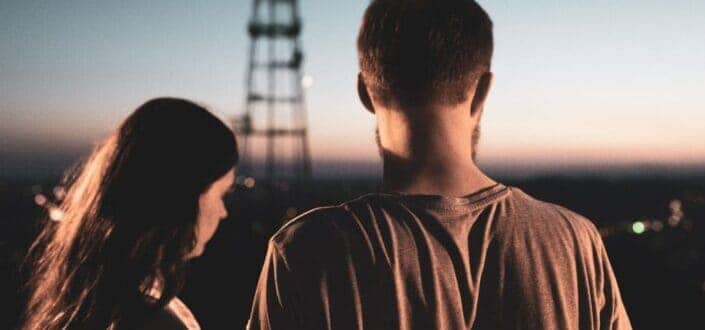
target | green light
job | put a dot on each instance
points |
(638, 227)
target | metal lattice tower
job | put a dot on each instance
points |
(275, 105)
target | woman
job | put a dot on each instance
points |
(146, 200)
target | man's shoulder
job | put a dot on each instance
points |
(320, 223)
(315, 222)
(322, 235)
(542, 216)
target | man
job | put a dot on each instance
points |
(446, 247)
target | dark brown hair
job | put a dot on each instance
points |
(423, 52)
(129, 218)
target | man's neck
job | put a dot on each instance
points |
(433, 178)
(432, 164)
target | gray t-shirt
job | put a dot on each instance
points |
(497, 259)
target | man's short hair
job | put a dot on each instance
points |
(423, 52)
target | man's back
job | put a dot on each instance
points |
(495, 259)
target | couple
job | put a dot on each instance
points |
(445, 247)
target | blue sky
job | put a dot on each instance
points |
(599, 82)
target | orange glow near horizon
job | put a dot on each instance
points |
(628, 91)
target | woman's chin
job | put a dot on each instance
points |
(195, 253)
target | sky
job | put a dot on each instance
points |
(596, 83)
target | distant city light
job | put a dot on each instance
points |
(676, 208)
(59, 192)
(673, 221)
(40, 199)
(307, 81)
(249, 182)
(291, 212)
(638, 227)
(656, 225)
(675, 205)
(56, 214)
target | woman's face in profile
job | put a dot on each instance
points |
(211, 210)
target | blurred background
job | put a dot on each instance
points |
(597, 107)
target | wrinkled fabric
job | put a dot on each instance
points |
(497, 259)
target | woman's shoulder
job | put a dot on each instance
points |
(175, 315)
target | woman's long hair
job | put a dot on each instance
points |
(129, 219)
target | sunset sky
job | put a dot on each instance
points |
(599, 82)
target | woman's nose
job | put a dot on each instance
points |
(223, 213)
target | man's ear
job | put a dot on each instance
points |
(363, 94)
(484, 84)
